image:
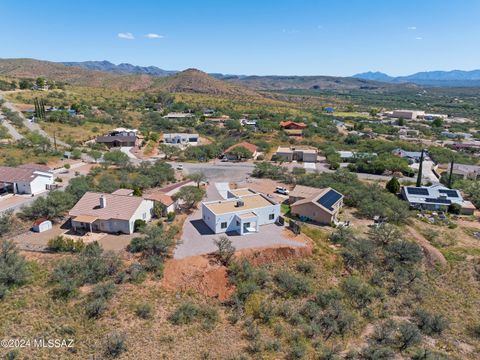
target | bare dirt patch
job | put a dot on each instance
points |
(197, 273)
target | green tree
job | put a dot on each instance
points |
(198, 177)
(241, 153)
(52, 207)
(393, 185)
(95, 155)
(13, 267)
(40, 82)
(189, 195)
(116, 157)
(6, 222)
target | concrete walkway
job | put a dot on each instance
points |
(126, 150)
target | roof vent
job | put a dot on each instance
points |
(103, 201)
(239, 203)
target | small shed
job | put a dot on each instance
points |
(41, 225)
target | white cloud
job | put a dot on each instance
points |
(418, 38)
(126, 35)
(153, 36)
(412, 28)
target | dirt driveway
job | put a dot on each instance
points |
(198, 239)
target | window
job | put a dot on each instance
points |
(271, 216)
(223, 225)
(144, 216)
(238, 223)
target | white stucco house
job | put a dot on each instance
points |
(111, 213)
(243, 212)
(25, 179)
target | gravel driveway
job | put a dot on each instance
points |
(198, 239)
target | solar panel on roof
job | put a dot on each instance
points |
(438, 201)
(417, 191)
(449, 193)
(330, 198)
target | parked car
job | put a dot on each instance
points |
(281, 190)
(179, 167)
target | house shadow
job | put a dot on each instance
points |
(201, 227)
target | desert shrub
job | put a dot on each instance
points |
(408, 335)
(325, 298)
(144, 311)
(115, 345)
(359, 253)
(13, 266)
(139, 225)
(135, 274)
(187, 313)
(430, 324)
(225, 250)
(403, 252)
(291, 285)
(360, 293)
(171, 216)
(62, 244)
(304, 268)
(342, 235)
(103, 291)
(95, 308)
(377, 352)
(335, 320)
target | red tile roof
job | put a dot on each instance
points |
(250, 147)
(161, 197)
(292, 125)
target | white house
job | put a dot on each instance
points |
(181, 139)
(243, 212)
(25, 179)
(110, 213)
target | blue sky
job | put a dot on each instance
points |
(297, 37)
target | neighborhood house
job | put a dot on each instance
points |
(292, 128)
(436, 197)
(243, 212)
(470, 172)
(296, 153)
(111, 213)
(25, 179)
(119, 137)
(319, 205)
(181, 139)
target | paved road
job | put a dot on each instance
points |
(31, 125)
(11, 129)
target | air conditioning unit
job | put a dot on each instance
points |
(239, 203)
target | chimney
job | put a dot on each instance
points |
(103, 201)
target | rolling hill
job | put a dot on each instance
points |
(190, 80)
(123, 68)
(453, 78)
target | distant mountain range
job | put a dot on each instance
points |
(428, 78)
(123, 68)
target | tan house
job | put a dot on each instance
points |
(296, 153)
(319, 205)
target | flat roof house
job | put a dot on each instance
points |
(319, 205)
(296, 153)
(25, 179)
(111, 213)
(466, 171)
(181, 139)
(177, 115)
(407, 114)
(244, 212)
(435, 197)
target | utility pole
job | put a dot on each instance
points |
(55, 139)
(450, 176)
(420, 169)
